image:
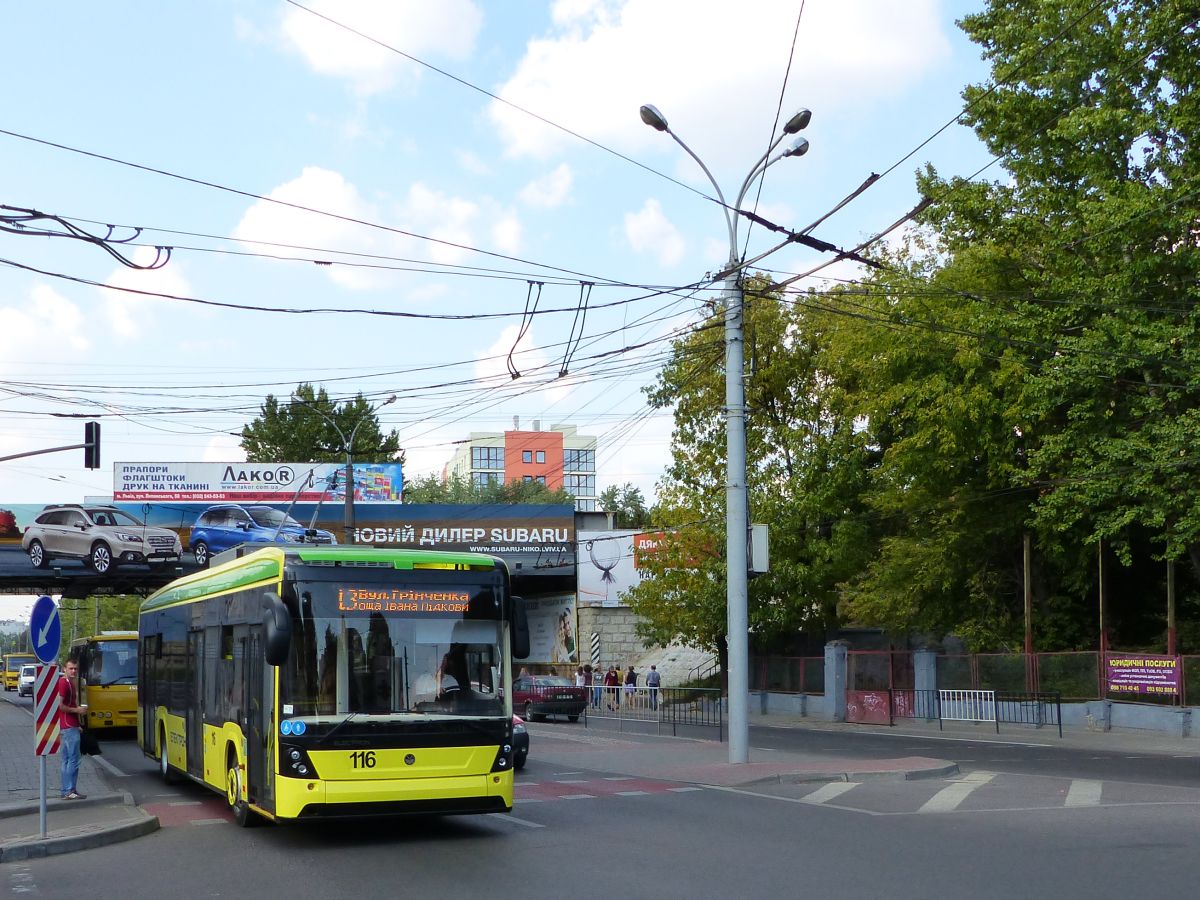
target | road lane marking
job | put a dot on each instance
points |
(516, 820)
(1084, 792)
(952, 795)
(830, 791)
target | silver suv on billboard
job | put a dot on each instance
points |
(101, 536)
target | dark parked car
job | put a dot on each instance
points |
(538, 696)
(220, 528)
(520, 742)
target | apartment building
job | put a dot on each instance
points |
(558, 457)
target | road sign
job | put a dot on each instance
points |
(45, 711)
(45, 629)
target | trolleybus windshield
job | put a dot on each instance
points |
(373, 653)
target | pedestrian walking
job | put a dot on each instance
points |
(630, 686)
(612, 686)
(653, 683)
(69, 730)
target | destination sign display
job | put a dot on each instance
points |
(380, 598)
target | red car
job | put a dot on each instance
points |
(538, 696)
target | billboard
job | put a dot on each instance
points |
(537, 542)
(1143, 674)
(197, 482)
(606, 566)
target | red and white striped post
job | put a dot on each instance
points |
(46, 734)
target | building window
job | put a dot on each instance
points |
(541, 479)
(487, 458)
(579, 460)
(541, 456)
(578, 485)
(483, 479)
(527, 478)
(585, 505)
(526, 456)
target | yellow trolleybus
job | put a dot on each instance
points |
(108, 678)
(12, 668)
(335, 681)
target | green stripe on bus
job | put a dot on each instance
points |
(245, 572)
(400, 559)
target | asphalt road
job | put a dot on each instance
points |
(1027, 752)
(1051, 830)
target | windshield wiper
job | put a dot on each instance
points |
(338, 727)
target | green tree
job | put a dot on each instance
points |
(1029, 363)
(627, 504)
(300, 430)
(459, 490)
(806, 465)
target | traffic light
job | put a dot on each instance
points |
(91, 445)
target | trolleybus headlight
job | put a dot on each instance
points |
(295, 762)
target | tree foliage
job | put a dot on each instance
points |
(628, 505)
(459, 490)
(309, 427)
(1025, 363)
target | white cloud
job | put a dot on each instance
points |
(447, 28)
(223, 448)
(48, 321)
(506, 234)
(129, 314)
(649, 231)
(451, 221)
(550, 190)
(602, 60)
(531, 361)
(445, 218)
(473, 163)
(324, 190)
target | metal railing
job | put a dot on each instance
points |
(672, 708)
(1037, 708)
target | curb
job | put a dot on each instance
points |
(137, 823)
(814, 777)
(32, 806)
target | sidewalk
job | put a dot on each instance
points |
(1132, 741)
(105, 817)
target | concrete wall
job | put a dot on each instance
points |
(619, 643)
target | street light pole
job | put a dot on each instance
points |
(737, 517)
(348, 446)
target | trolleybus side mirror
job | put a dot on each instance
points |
(279, 630)
(520, 629)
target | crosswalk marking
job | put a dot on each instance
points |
(951, 797)
(831, 791)
(1084, 792)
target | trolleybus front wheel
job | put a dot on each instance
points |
(233, 793)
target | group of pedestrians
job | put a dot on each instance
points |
(607, 687)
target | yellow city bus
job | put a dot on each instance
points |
(108, 678)
(335, 681)
(12, 668)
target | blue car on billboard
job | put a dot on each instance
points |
(220, 528)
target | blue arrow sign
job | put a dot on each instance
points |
(45, 630)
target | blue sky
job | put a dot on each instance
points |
(466, 200)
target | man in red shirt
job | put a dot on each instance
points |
(68, 724)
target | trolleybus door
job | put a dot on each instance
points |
(259, 694)
(195, 720)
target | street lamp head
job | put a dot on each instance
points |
(798, 122)
(391, 399)
(652, 117)
(798, 148)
